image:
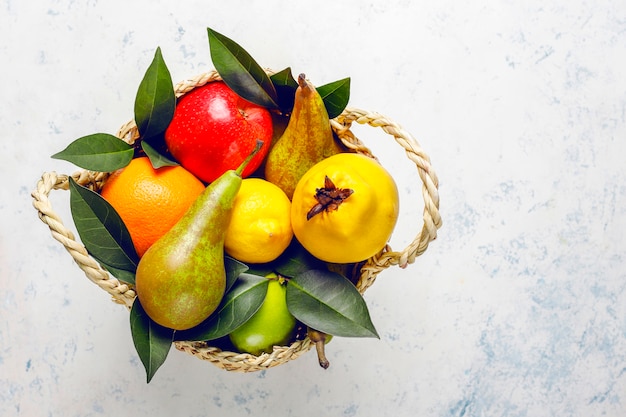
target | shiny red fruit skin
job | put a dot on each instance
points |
(214, 130)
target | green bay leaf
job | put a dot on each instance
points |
(285, 86)
(233, 268)
(335, 96)
(284, 78)
(121, 274)
(97, 152)
(238, 305)
(295, 260)
(155, 101)
(157, 159)
(101, 229)
(240, 71)
(330, 303)
(152, 341)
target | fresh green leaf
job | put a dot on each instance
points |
(335, 96)
(285, 86)
(261, 270)
(284, 78)
(238, 305)
(152, 341)
(234, 268)
(121, 274)
(101, 229)
(240, 71)
(330, 303)
(157, 159)
(296, 260)
(155, 101)
(98, 152)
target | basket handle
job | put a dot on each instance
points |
(430, 183)
(121, 293)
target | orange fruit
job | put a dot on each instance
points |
(150, 201)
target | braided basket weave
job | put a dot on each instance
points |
(233, 361)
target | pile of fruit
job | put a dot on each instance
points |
(235, 213)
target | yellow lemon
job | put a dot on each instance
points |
(345, 208)
(260, 226)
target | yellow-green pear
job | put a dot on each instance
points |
(181, 278)
(307, 139)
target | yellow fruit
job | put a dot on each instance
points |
(260, 226)
(345, 208)
(150, 201)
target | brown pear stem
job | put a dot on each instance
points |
(305, 87)
(319, 339)
(244, 164)
(302, 80)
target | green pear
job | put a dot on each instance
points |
(272, 324)
(307, 139)
(181, 278)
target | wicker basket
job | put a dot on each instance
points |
(233, 361)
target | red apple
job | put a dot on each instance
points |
(214, 130)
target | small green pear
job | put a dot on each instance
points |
(272, 325)
(307, 139)
(181, 278)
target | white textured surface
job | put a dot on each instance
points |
(518, 309)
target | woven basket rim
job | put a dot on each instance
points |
(243, 362)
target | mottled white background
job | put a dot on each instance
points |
(518, 309)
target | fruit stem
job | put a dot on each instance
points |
(306, 88)
(257, 147)
(302, 80)
(319, 339)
